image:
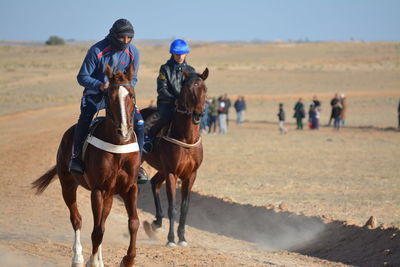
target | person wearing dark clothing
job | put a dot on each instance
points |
(240, 107)
(117, 51)
(336, 110)
(204, 123)
(169, 84)
(312, 117)
(398, 113)
(213, 114)
(299, 114)
(334, 101)
(281, 117)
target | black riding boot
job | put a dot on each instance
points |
(76, 164)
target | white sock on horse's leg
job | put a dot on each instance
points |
(100, 255)
(77, 248)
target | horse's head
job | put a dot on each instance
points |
(193, 95)
(121, 101)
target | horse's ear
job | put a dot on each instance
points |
(185, 73)
(109, 72)
(204, 75)
(131, 71)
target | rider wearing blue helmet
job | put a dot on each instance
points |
(169, 84)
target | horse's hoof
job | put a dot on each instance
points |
(171, 245)
(183, 244)
(126, 263)
(149, 230)
(77, 264)
(155, 227)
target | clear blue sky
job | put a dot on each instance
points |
(211, 20)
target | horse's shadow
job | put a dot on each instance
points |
(278, 230)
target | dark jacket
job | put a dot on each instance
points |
(91, 75)
(169, 81)
(240, 105)
(299, 110)
(281, 115)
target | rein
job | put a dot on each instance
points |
(180, 143)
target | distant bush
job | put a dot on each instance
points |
(55, 40)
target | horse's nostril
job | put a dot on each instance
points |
(119, 132)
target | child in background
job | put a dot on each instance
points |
(281, 116)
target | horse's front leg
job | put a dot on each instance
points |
(171, 194)
(156, 183)
(130, 200)
(185, 190)
(101, 206)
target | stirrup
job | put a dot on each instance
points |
(142, 176)
(148, 144)
(76, 166)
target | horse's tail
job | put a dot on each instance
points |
(43, 182)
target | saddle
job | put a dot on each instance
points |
(152, 116)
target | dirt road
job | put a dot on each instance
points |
(221, 232)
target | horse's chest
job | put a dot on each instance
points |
(187, 163)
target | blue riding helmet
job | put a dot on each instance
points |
(179, 47)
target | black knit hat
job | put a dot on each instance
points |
(122, 27)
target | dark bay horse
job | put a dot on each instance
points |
(178, 154)
(106, 173)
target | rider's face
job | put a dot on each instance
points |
(125, 39)
(179, 58)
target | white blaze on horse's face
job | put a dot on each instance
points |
(122, 94)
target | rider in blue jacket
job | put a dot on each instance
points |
(116, 51)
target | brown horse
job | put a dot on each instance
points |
(106, 173)
(178, 155)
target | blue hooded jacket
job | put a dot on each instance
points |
(91, 75)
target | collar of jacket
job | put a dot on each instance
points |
(175, 64)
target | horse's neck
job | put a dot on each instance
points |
(183, 129)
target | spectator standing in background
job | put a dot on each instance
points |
(343, 103)
(312, 117)
(240, 107)
(227, 107)
(398, 113)
(317, 107)
(336, 111)
(204, 123)
(281, 117)
(299, 114)
(222, 115)
(212, 114)
(334, 101)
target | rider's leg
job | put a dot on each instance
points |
(139, 130)
(166, 111)
(88, 109)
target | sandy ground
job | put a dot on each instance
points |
(261, 199)
(221, 230)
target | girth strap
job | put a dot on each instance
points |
(119, 149)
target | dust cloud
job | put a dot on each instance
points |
(274, 230)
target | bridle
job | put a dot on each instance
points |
(108, 110)
(196, 116)
(191, 112)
